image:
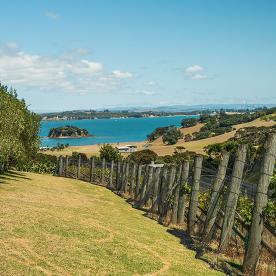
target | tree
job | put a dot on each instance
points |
(19, 128)
(109, 153)
(189, 122)
(82, 155)
(143, 156)
(172, 135)
(188, 137)
(158, 132)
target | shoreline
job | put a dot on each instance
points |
(116, 118)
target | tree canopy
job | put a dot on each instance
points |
(19, 128)
(172, 135)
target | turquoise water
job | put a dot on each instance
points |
(109, 130)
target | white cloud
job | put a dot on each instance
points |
(195, 72)
(199, 77)
(194, 69)
(26, 70)
(52, 15)
(121, 75)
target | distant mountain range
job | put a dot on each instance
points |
(189, 108)
(174, 108)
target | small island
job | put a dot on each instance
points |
(68, 132)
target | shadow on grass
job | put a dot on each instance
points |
(230, 268)
(12, 175)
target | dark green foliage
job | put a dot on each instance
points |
(76, 155)
(172, 135)
(18, 128)
(270, 212)
(158, 132)
(67, 131)
(189, 122)
(109, 153)
(176, 158)
(60, 147)
(143, 156)
(41, 163)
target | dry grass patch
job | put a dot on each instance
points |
(58, 226)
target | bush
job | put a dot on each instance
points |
(189, 122)
(143, 156)
(75, 155)
(41, 163)
(109, 153)
(158, 132)
(172, 135)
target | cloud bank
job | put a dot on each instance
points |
(64, 73)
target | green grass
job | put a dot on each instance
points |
(57, 226)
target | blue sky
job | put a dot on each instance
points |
(63, 55)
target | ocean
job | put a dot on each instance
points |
(109, 130)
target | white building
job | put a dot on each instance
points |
(127, 148)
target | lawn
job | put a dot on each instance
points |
(58, 226)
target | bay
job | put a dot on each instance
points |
(109, 130)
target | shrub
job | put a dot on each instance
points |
(110, 153)
(189, 122)
(172, 135)
(76, 155)
(143, 156)
(158, 132)
(41, 163)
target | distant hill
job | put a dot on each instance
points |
(141, 111)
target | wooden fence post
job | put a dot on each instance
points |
(60, 166)
(194, 194)
(162, 196)
(232, 197)
(168, 190)
(132, 179)
(176, 195)
(126, 178)
(103, 171)
(122, 176)
(138, 182)
(110, 184)
(78, 167)
(144, 185)
(66, 165)
(92, 168)
(181, 202)
(156, 191)
(148, 187)
(118, 175)
(213, 207)
(255, 233)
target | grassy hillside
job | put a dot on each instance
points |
(57, 226)
(198, 145)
